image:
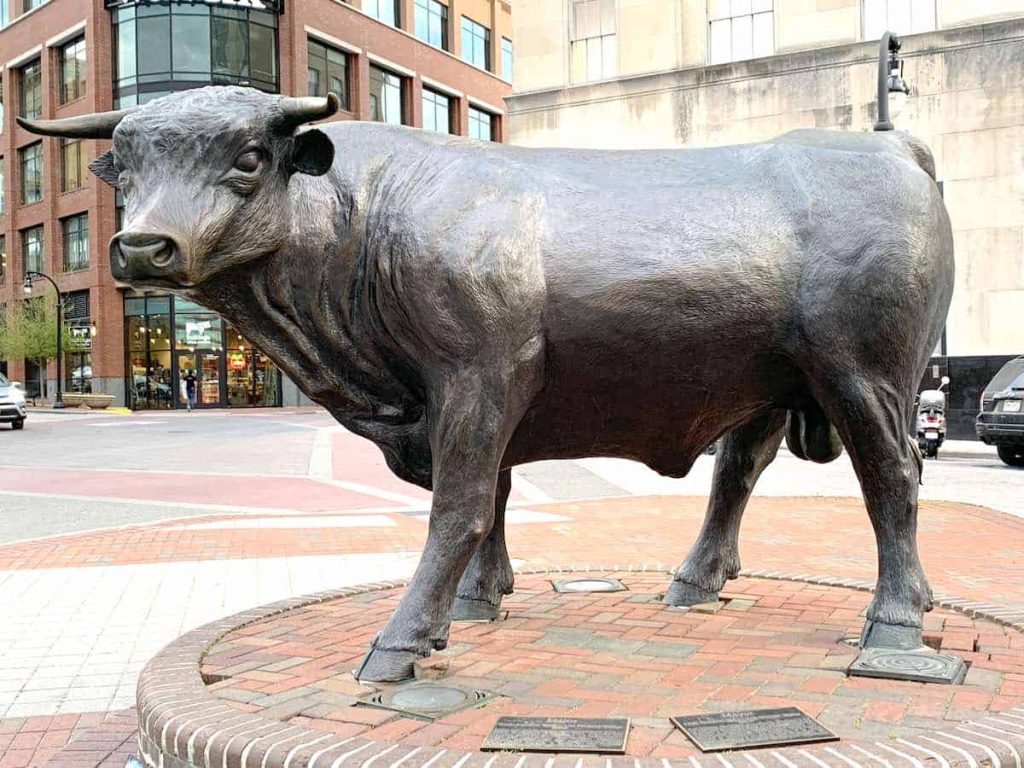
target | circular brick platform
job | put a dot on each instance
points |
(276, 688)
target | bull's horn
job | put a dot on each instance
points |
(99, 125)
(305, 109)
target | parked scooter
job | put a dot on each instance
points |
(931, 419)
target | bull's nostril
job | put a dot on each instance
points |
(164, 256)
(142, 249)
(122, 261)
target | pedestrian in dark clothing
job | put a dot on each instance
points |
(190, 389)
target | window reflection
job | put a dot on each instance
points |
(162, 48)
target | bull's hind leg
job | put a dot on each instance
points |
(488, 577)
(741, 458)
(872, 418)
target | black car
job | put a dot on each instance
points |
(1001, 421)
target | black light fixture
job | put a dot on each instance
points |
(890, 78)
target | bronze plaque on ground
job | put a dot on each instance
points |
(558, 734)
(752, 728)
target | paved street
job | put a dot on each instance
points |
(69, 473)
(169, 520)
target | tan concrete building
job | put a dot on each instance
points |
(662, 73)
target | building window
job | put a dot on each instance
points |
(437, 113)
(3, 260)
(386, 97)
(78, 357)
(593, 49)
(2, 185)
(904, 17)
(72, 70)
(31, 5)
(166, 337)
(30, 90)
(32, 249)
(432, 23)
(741, 29)
(481, 124)
(328, 72)
(31, 160)
(74, 169)
(476, 43)
(160, 48)
(76, 242)
(382, 10)
(506, 59)
(5, 13)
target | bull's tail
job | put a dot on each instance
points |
(918, 150)
(810, 435)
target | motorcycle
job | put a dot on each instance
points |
(931, 419)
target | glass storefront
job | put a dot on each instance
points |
(169, 337)
(162, 47)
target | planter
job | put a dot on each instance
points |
(80, 399)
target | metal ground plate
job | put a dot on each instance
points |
(426, 699)
(919, 666)
(588, 585)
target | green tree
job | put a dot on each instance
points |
(28, 331)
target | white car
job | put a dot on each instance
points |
(12, 403)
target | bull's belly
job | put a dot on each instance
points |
(663, 418)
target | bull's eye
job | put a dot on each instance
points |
(249, 161)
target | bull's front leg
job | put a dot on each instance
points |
(489, 576)
(469, 429)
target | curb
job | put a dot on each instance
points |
(183, 725)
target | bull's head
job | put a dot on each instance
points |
(204, 174)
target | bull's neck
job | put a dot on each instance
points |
(308, 307)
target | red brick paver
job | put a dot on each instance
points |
(559, 654)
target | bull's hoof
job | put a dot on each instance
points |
(682, 594)
(878, 635)
(468, 609)
(384, 666)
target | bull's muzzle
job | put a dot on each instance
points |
(142, 255)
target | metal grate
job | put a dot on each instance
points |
(76, 305)
(426, 700)
(588, 585)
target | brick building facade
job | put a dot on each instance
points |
(429, 64)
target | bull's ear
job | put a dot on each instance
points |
(105, 168)
(313, 153)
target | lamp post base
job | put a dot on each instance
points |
(58, 405)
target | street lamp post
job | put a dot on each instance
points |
(30, 275)
(890, 78)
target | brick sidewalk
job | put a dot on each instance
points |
(967, 551)
(622, 654)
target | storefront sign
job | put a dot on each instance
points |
(81, 339)
(197, 333)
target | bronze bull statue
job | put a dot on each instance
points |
(470, 306)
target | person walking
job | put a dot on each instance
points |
(190, 389)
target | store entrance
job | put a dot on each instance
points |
(208, 368)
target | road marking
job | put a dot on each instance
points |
(129, 422)
(294, 521)
(528, 490)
